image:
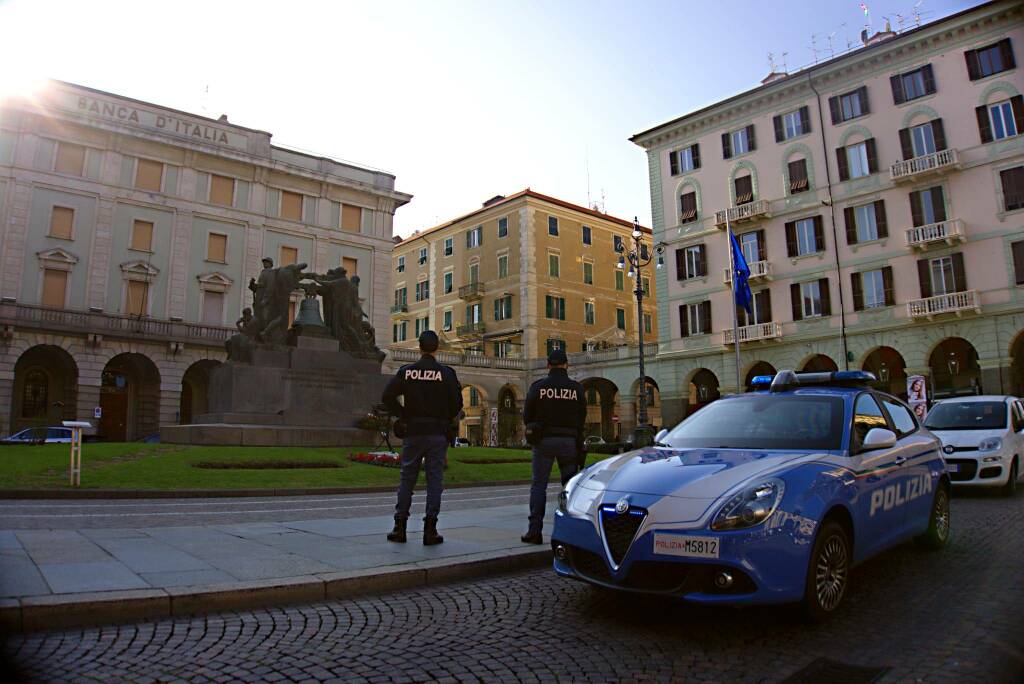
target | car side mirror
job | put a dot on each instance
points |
(878, 438)
(660, 437)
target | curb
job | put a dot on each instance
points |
(221, 493)
(58, 611)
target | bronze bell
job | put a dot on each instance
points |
(309, 315)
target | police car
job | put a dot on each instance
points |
(765, 497)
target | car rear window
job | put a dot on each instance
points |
(759, 421)
(967, 415)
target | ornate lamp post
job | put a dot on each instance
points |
(638, 257)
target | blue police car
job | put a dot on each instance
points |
(765, 497)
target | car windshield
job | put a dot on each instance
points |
(967, 415)
(763, 421)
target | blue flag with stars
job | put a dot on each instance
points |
(741, 276)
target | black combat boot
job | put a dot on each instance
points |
(532, 538)
(398, 534)
(430, 535)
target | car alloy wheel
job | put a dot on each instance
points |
(830, 573)
(941, 515)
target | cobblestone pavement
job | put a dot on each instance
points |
(954, 616)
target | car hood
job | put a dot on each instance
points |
(966, 438)
(684, 473)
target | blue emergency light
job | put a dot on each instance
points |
(786, 379)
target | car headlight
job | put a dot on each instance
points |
(750, 507)
(563, 496)
(991, 444)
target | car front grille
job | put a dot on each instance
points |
(589, 564)
(620, 529)
(966, 468)
(663, 577)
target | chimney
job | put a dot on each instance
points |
(494, 200)
(773, 77)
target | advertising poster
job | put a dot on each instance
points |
(917, 395)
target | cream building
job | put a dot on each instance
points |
(506, 283)
(129, 234)
(879, 198)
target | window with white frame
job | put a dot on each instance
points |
(423, 255)
(872, 286)
(474, 237)
(474, 313)
(930, 198)
(446, 320)
(588, 273)
(620, 319)
(401, 264)
(923, 139)
(857, 160)
(684, 160)
(502, 227)
(1001, 117)
(867, 226)
(751, 247)
(449, 246)
(943, 276)
(697, 318)
(448, 282)
(851, 105)
(792, 124)
(503, 266)
(553, 265)
(694, 261)
(587, 236)
(422, 325)
(503, 308)
(806, 241)
(810, 299)
(740, 142)
(422, 290)
(398, 331)
(474, 273)
(648, 323)
(589, 313)
(760, 310)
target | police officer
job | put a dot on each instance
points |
(555, 412)
(432, 399)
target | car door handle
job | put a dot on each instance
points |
(900, 460)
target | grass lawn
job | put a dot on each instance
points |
(172, 466)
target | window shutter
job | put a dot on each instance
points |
(819, 233)
(805, 119)
(726, 146)
(791, 239)
(898, 96)
(794, 296)
(959, 274)
(1018, 261)
(826, 297)
(938, 203)
(984, 125)
(1017, 103)
(851, 225)
(548, 307)
(906, 145)
(880, 219)
(916, 213)
(833, 108)
(924, 277)
(887, 285)
(684, 328)
(858, 293)
(695, 153)
(973, 67)
(765, 305)
(780, 134)
(1006, 52)
(759, 236)
(702, 261)
(673, 164)
(680, 264)
(844, 169)
(862, 95)
(751, 140)
(705, 315)
(929, 79)
(744, 187)
(480, 236)
(869, 145)
(469, 239)
(939, 133)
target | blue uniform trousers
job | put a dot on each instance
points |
(550, 449)
(416, 450)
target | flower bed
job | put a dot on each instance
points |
(388, 459)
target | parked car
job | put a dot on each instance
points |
(982, 439)
(40, 435)
(460, 442)
(766, 497)
(593, 439)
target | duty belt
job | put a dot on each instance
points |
(560, 432)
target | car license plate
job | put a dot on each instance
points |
(685, 545)
(953, 467)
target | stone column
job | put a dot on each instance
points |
(14, 256)
(181, 239)
(996, 375)
(673, 409)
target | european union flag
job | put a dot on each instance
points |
(741, 276)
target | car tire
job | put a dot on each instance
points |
(938, 521)
(1010, 488)
(828, 572)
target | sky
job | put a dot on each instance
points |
(459, 100)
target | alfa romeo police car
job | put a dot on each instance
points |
(765, 497)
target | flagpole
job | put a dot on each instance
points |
(732, 298)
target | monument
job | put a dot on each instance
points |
(307, 385)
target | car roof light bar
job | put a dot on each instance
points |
(786, 380)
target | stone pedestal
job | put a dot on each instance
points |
(309, 394)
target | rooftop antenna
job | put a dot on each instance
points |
(814, 47)
(785, 68)
(771, 63)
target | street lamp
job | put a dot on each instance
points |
(883, 372)
(638, 257)
(953, 364)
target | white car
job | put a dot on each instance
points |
(40, 435)
(982, 439)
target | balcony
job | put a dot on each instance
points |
(758, 269)
(471, 291)
(936, 162)
(954, 302)
(470, 330)
(400, 308)
(456, 359)
(102, 325)
(750, 333)
(744, 212)
(944, 231)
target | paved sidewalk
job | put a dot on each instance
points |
(64, 577)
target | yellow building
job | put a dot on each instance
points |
(519, 276)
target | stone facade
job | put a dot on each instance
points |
(129, 234)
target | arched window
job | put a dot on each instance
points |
(35, 394)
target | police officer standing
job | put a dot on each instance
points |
(432, 398)
(555, 412)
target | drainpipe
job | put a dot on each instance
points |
(835, 232)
